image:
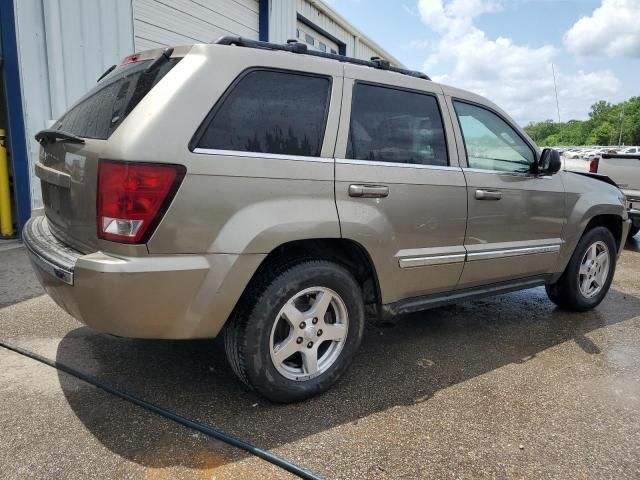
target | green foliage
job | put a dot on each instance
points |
(602, 128)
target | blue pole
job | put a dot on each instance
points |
(13, 92)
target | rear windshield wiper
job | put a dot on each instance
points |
(107, 72)
(48, 135)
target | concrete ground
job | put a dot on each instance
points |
(509, 387)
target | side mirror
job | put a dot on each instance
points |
(550, 162)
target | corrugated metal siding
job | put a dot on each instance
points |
(178, 22)
(282, 20)
(64, 46)
(311, 13)
(282, 26)
(365, 52)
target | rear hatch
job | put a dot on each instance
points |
(70, 150)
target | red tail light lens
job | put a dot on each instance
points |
(593, 165)
(132, 198)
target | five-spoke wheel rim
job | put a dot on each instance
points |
(594, 269)
(309, 333)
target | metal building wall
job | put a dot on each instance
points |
(283, 20)
(160, 23)
(63, 47)
(311, 13)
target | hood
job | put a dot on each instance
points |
(602, 178)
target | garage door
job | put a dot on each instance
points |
(158, 23)
(315, 40)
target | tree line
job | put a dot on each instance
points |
(605, 124)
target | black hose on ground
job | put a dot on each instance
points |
(200, 427)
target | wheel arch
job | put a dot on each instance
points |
(612, 222)
(345, 252)
(600, 217)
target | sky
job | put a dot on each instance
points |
(504, 49)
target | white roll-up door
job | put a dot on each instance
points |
(158, 23)
(315, 40)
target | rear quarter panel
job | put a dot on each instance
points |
(231, 203)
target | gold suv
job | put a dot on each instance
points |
(270, 194)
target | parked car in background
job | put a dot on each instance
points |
(270, 193)
(573, 153)
(624, 169)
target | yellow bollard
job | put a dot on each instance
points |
(6, 223)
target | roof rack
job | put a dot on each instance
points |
(297, 47)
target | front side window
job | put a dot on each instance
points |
(271, 112)
(491, 143)
(391, 125)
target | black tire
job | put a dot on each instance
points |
(566, 293)
(633, 231)
(247, 337)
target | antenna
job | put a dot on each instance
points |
(621, 122)
(555, 86)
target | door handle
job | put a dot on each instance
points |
(368, 191)
(488, 195)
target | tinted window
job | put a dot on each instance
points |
(102, 110)
(490, 142)
(389, 125)
(271, 112)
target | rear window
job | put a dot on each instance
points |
(271, 112)
(397, 126)
(104, 107)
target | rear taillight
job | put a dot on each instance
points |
(593, 165)
(132, 198)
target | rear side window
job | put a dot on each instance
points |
(102, 110)
(271, 112)
(390, 125)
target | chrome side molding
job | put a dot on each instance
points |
(429, 260)
(277, 156)
(435, 260)
(512, 252)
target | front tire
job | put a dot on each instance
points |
(298, 331)
(588, 276)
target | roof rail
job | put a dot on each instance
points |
(297, 47)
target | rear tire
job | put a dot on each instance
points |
(286, 346)
(588, 276)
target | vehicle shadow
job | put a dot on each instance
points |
(398, 365)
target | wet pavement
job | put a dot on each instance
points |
(508, 387)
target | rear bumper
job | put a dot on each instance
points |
(170, 296)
